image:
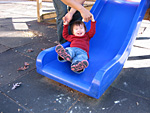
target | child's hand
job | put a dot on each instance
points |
(65, 22)
(92, 19)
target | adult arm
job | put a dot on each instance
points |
(77, 5)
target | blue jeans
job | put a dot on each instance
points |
(77, 54)
(61, 11)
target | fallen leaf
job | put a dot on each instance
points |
(16, 85)
(26, 64)
(30, 50)
(21, 69)
(42, 49)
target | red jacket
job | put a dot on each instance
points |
(80, 41)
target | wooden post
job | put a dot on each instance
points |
(39, 10)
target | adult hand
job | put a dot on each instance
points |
(86, 15)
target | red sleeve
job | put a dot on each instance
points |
(92, 30)
(66, 34)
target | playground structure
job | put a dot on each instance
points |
(118, 22)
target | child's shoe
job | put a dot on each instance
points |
(62, 52)
(79, 66)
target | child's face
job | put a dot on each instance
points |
(78, 30)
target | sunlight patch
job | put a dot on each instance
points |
(137, 63)
(20, 26)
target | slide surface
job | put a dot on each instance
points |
(117, 25)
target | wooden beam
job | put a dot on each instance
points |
(147, 15)
(48, 15)
(39, 10)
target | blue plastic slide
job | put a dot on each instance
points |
(116, 29)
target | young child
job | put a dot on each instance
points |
(78, 52)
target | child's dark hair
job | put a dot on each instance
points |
(78, 23)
